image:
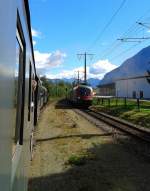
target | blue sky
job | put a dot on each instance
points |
(63, 28)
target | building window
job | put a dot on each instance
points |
(141, 94)
(134, 94)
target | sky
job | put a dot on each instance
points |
(61, 29)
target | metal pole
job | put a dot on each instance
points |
(138, 103)
(85, 59)
(78, 77)
(85, 67)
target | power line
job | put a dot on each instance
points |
(133, 39)
(111, 49)
(115, 45)
(123, 52)
(147, 25)
(132, 30)
(108, 23)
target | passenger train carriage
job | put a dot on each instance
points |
(19, 94)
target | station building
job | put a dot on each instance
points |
(133, 87)
(107, 89)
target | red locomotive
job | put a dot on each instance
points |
(81, 95)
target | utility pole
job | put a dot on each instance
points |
(78, 77)
(85, 67)
(85, 59)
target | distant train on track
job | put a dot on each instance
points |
(81, 95)
(21, 94)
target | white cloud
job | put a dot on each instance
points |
(96, 70)
(36, 33)
(101, 67)
(48, 60)
(66, 74)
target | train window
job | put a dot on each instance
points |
(19, 86)
(29, 95)
(16, 92)
(84, 91)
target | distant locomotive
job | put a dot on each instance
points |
(81, 95)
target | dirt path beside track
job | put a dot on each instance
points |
(71, 154)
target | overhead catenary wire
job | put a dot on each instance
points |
(107, 24)
(124, 51)
(116, 44)
(136, 43)
(133, 29)
(137, 40)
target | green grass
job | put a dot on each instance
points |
(77, 160)
(129, 112)
(141, 117)
(81, 158)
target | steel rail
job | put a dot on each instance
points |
(121, 125)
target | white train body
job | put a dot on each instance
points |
(18, 86)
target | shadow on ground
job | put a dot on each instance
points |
(64, 104)
(111, 169)
(83, 136)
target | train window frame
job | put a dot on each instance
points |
(19, 128)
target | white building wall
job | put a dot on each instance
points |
(125, 88)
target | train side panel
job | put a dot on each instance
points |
(20, 162)
(19, 92)
(7, 63)
(15, 127)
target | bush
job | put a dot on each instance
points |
(77, 160)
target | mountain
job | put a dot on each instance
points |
(71, 80)
(138, 65)
(92, 81)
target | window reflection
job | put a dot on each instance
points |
(16, 76)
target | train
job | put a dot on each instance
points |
(22, 95)
(81, 95)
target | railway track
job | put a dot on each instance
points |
(113, 122)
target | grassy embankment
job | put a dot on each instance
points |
(127, 110)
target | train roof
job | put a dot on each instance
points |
(84, 86)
